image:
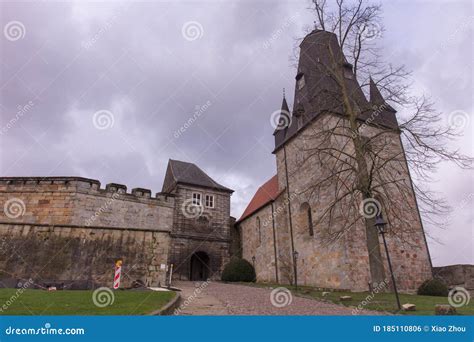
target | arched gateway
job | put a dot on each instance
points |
(199, 268)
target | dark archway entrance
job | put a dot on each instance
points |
(199, 266)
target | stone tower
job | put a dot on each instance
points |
(200, 237)
(295, 200)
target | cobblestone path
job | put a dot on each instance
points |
(215, 298)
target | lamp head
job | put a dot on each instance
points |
(380, 224)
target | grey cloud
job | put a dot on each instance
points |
(78, 58)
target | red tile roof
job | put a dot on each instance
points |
(265, 194)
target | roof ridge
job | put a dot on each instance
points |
(265, 194)
(189, 173)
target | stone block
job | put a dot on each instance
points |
(444, 310)
(345, 298)
(409, 307)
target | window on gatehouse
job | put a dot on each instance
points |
(196, 198)
(210, 201)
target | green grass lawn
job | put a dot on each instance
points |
(380, 302)
(68, 302)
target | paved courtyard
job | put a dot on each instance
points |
(216, 298)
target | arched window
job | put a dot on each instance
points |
(259, 231)
(305, 212)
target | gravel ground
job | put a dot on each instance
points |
(216, 298)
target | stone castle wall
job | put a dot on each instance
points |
(68, 229)
(456, 275)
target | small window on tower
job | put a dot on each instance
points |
(301, 82)
(196, 198)
(348, 74)
(300, 121)
(348, 71)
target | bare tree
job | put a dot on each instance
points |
(364, 155)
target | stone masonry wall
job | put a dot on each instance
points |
(258, 242)
(68, 229)
(344, 263)
(81, 257)
(207, 232)
(456, 275)
(261, 242)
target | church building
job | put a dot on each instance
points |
(297, 227)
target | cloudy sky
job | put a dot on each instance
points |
(112, 90)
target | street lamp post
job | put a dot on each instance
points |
(381, 225)
(295, 260)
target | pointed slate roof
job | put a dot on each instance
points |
(382, 112)
(179, 172)
(376, 97)
(268, 192)
(283, 118)
(321, 93)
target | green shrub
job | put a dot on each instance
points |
(238, 270)
(433, 287)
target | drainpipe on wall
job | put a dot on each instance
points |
(289, 215)
(274, 244)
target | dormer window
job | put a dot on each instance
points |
(300, 80)
(300, 121)
(348, 74)
(347, 70)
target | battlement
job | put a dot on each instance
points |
(80, 185)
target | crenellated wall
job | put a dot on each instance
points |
(69, 229)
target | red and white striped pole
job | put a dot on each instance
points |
(118, 271)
